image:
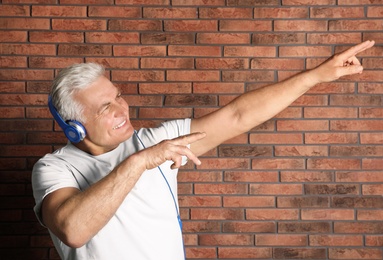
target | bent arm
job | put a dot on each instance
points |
(257, 106)
(75, 216)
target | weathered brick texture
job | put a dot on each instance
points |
(306, 184)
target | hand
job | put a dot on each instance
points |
(172, 150)
(342, 64)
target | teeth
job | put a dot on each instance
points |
(118, 126)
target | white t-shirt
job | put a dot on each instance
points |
(145, 226)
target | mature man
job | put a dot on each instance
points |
(110, 193)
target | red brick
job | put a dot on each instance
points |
(304, 227)
(276, 138)
(371, 138)
(300, 25)
(24, 23)
(304, 150)
(309, 2)
(250, 176)
(223, 38)
(355, 125)
(14, 10)
(280, 240)
(137, 75)
(192, 75)
(372, 227)
(200, 201)
(303, 202)
(359, 176)
(355, 253)
(170, 13)
(202, 188)
(75, 24)
(165, 88)
(136, 25)
(225, 13)
(221, 163)
(245, 252)
(278, 64)
(284, 12)
(19, 74)
(66, 37)
(165, 113)
(198, 2)
(249, 226)
(331, 138)
(302, 125)
(52, 62)
(306, 176)
(190, 25)
(167, 38)
(334, 38)
(364, 215)
(299, 253)
(246, 76)
(192, 51)
(60, 11)
(114, 11)
(13, 62)
(13, 36)
(201, 226)
(112, 37)
(226, 240)
(332, 189)
(336, 240)
(202, 87)
(217, 214)
(245, 26)
(28, 49)
(333, 87)
(330, 112)
(374, 241)
(354, 25)
(304, 51)
(200, 252)
(376, 189)
(276, 189)
(327, 214)
(248, 201)
(169, 63)
(272, 214)
(280, 38)
(12, 112)
(372, 164)
(139, 50)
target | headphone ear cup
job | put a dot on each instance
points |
(75, 131)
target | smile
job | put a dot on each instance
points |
(119, 125)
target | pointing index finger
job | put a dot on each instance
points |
(190, 138)
(356, 49)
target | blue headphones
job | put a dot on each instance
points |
(74, 130)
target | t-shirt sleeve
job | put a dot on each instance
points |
(48, 175)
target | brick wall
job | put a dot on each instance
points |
(307, 184)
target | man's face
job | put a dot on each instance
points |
(107, 116)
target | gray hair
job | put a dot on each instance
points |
(69, 81)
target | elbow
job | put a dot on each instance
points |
(70, 235)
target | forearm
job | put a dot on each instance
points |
(77, 219)
(257, 106)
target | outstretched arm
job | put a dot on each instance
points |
(257, 106)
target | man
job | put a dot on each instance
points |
(110, 193)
